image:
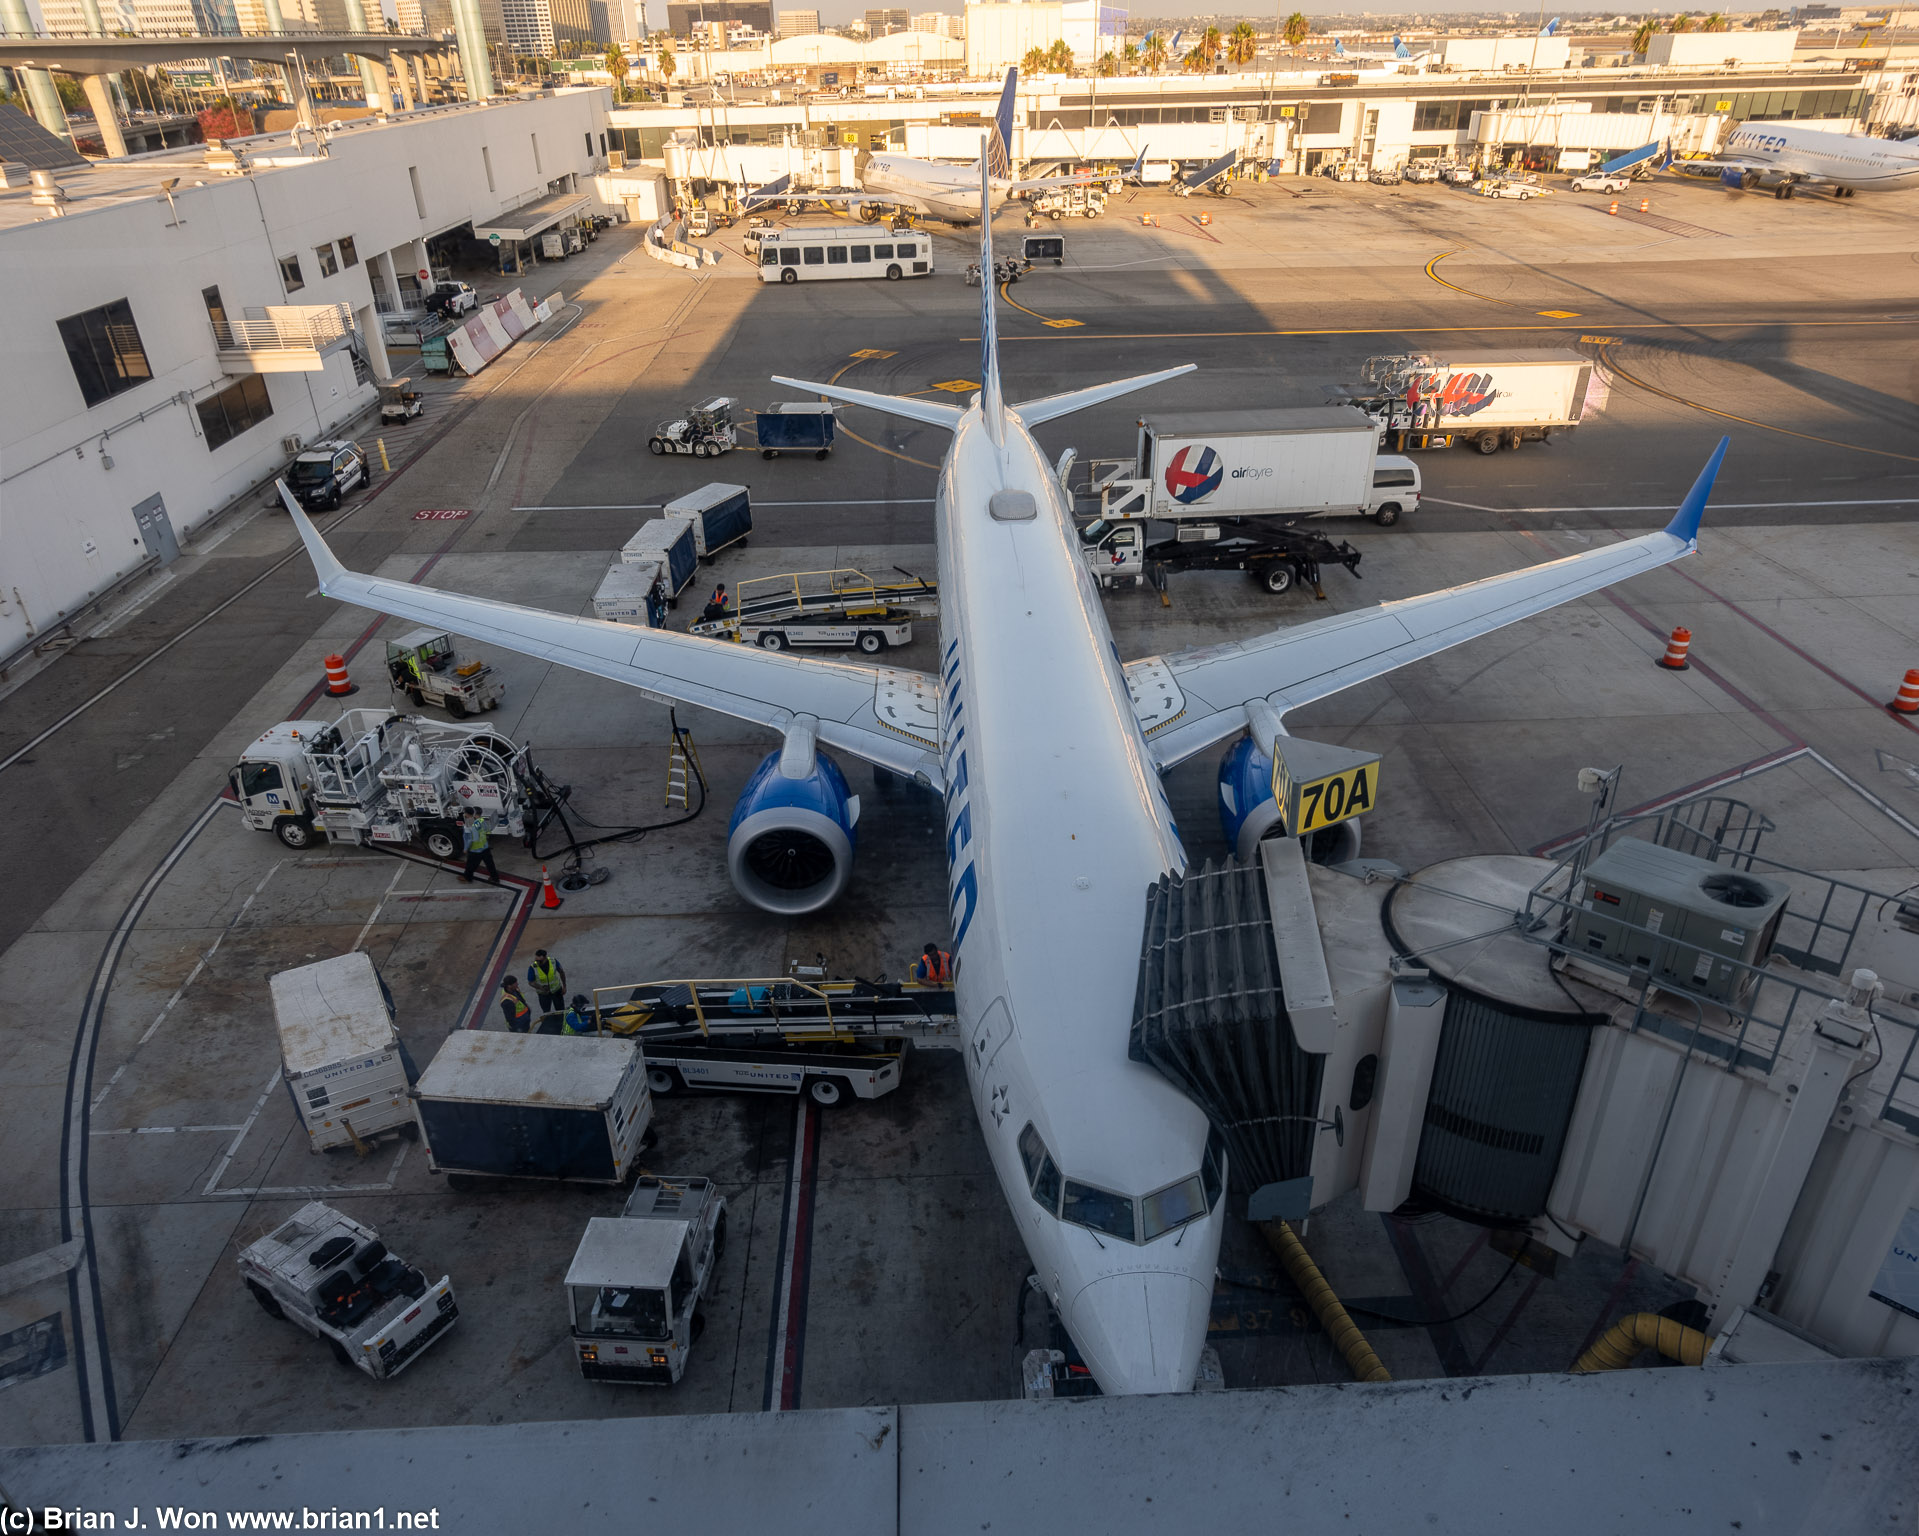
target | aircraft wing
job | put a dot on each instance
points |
(1723, 165)
(1190, 700)
(883, 715)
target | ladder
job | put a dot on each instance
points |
(682, 767)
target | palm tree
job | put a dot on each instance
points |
(1155, 54)
(1681, 23)
(1108, 65)
(1129, 56)
(1643, 35)
(1716, 23)
(1196, 62)
(1035, 61)
(1242, 45)
(667, 62)
(616, 67)
(1211, 42)
(1295, 31)
(1059, 58)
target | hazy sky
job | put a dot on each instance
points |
(839, 12)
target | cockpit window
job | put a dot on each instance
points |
(1171, 1207)
(1046, 1186)
(1031, 1150)
(1213, 1171)
(1099, 1209)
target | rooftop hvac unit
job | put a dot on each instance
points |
(616, 159)
(291, 444)
(1703, 924)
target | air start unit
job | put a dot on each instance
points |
(1688, 922)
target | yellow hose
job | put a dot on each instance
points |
(1339, 1326)
(1621, 1344)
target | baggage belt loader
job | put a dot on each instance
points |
(822, 609)
(834, 1041)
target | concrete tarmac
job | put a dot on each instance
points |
(139, 1108)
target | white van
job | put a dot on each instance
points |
(1396, 487)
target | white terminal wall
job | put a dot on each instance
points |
(1494, 53)
(66, 521)
(1697, 48)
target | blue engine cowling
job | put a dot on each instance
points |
(1247, 812)
(789, 847)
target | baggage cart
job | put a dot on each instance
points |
(344, 1064)
(795, 427)
(668, 542)
(719, 514)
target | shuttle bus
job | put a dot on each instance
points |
(807, 255)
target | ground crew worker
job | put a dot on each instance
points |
(716, 604)
(549, 980)
(473, 837)
(579, 1018)
(519, 1013)
(934, 968)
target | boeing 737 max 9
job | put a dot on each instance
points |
(1056, 822)
(1783, 156)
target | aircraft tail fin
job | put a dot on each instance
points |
(1400, 50)
(997, 157)
(1550, 28)
(1139, 166)
(1339, 49)
(992, 403)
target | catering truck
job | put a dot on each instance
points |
(1316, 461)
(1491, 400)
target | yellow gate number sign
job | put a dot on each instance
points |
(1315, 784)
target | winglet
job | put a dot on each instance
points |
(326, 564)
(1685, 522)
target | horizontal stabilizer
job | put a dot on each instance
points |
(929, 411)
(1052, 407)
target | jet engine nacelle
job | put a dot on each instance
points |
(789, 847)
(1248, 813)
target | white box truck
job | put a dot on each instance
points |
(343, 1061)
(1316, 461)
(1491, 400)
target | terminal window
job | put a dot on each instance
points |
(290, 274)
(104, 347)
(239, 406)
(349, 253)
(329, 263)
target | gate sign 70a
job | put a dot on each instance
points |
(1316, 784)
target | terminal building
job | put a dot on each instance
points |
(185, 321)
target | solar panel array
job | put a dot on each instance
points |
(25, 142)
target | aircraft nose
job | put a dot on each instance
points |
(1142, 1331)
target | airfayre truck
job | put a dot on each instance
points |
(1316, 461)
(1491, 400)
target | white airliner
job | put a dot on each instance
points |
(933, 189)
(1784, 156)
(1056, 821)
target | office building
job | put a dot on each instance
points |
(683, 17)
(880, 22)
(799, 23)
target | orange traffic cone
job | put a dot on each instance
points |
(1908, 701)
(1645, 205)
(1614, 208)
(549, 898)
(1681, 643)
(337, 682)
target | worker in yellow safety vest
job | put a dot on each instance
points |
(473, 837)
(548, 977)
(519, 1012)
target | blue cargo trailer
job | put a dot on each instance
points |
(719, 514)
(534, 1107)
(793, 427)
(672, 542)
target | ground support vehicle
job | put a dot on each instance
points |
(1276, 556)
(1062, 202)
(795, 427)
(719, 515)
(344, 1064)
(1458, 175)
(635, 1285)
(1319, 461)
(1600, 181)
(1499, 187)
(632, 593)
(823, 608)
(423, 665)
(332, 1276)
(814, 254)
(669, 544)
(1006, 269)
(400, 401)
(1489, 399)
(451, 300)
(324, 473)
(1420, 171)
(376, 776)
(706, 431)
(834, 1041)
(1040, 248)
(1383, 176)
(534, 1106)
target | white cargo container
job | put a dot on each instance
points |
(345, 1067)
(668, 543)
(1317, 461)
(718, 514)
(534, 1106)
(621, 598)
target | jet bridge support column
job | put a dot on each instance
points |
(1836, 1045)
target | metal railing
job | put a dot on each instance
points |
(795, 1008)
(310, 328)
(1747, 1026)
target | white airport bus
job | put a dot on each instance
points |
(807, 255)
